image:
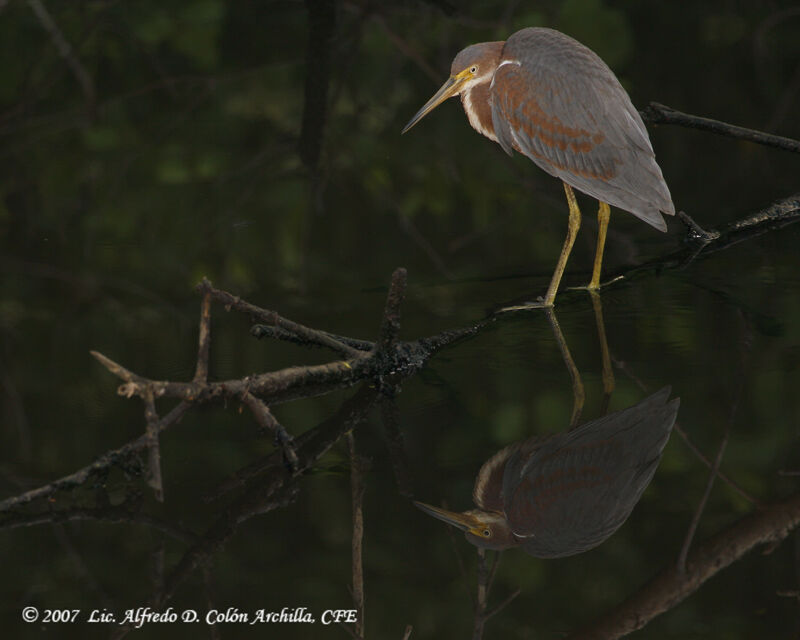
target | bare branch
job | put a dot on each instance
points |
(656, 113)
(770, 524)
(267, 421)
(270, 317)
(117, 369)
(105, 461)
(265, 331)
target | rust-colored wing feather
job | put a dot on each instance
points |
(557, 102)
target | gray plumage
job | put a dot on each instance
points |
(566, 494)
(557, 102)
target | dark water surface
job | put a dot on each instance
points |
(164, 147)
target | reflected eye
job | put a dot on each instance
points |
(473, 70)
(487, 533)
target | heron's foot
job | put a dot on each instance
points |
(539, 303)
(596, 287)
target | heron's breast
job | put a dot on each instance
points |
(479, 110)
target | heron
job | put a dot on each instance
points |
(567, 493)
(545, 95)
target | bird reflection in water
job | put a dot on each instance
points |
(567, 493)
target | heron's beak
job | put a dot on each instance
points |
(465, 521)
(448, 90)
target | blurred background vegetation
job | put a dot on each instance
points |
(144, 145)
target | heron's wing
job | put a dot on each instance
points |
(578, 487)
(557, 102)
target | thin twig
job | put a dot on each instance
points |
(270, 317)
(357, 496)
(157, 568)
(266, 331)
(479, 621)
(407, 49)
(747, 344)
(204, 340)
(687, 543)
(268, 422)
(390, 327)
(120, 514)
(117, 369)
(210, 604)
(503, 604)
(493, 570)
(623, 366)
(395, 444)
(656, 113)
(65, 50)
(153, 449)
(462, 567)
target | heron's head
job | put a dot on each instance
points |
(484, 529)
(473, 66)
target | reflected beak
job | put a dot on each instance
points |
(464, 521)
(448, 90)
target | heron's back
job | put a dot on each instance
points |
(557, 102)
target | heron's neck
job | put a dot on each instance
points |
(488, 490)
(475, 101)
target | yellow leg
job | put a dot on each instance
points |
(603, 215)
(578, 393)
(572, 231)
(608, 372)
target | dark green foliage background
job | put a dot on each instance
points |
(185, 164)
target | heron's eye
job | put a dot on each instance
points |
(487, 533)
(473, 69)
